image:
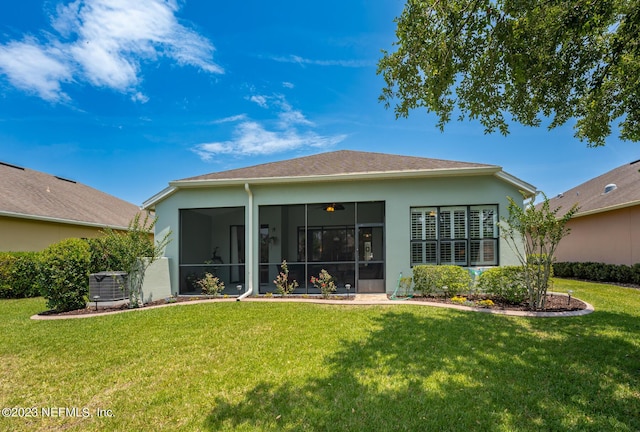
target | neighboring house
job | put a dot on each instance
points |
(38, 209)
(364, 217)
(607, 226)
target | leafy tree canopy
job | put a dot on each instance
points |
(560, 59)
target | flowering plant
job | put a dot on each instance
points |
(324, 282)
(458, 299)
(210, 284)
(283, 286)
(486, 303)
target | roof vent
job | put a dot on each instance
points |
(610, 187)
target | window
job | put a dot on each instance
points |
(460, 235)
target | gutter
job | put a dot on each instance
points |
(61, 220)
(371, 175)
(606, 209)
(164, 193)
(249, 246)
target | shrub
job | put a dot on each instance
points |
(282, 283)
(324, 282)
(131, 251)
(64, 274)
(635, 274)
(598, 272)
(19, 274)
(506, 282)
(433, 279)
(7, 266)
(210, 284)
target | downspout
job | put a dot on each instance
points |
(249, 291)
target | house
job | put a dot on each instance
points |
(364, 217)
(607, 227)
(38, 209)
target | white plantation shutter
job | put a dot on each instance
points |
(423, 235)
(483, 233)
(460, 235)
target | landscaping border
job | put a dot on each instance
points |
(359, 300)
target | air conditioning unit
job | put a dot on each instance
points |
(108, 286)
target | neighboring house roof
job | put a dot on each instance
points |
(30, 194)
(616, 189)
(342, 165)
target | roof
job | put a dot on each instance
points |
(591, 196)
(30, 194)
(342, 165)
(338, 162)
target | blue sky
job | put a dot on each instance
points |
(126, 96)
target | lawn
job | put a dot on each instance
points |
(288, 366)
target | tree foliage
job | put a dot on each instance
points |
(560, 59)
(533, 233)
(131, 251)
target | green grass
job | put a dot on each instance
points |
(288, 366)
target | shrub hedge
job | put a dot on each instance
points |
(438, 279)
(64, 274)
(506, 282)
(19, 274)
(599, 272)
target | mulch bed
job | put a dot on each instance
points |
(554, 303)
(91, 309)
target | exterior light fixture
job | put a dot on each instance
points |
(348, 287)
(569, 299)
(95, 299)
(330, 208)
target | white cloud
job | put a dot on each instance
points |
(259, 100)
(287, 84)
(230, 119)
(35, 69)
(306, 61)
(291, 131)
(104, 42)
(139, 97)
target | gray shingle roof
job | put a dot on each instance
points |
(34, 194)
(590, 195)
(336, 163)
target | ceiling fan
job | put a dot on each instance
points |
(330, 208)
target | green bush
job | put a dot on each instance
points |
(19, 274)
(437, 279)
(65, 274)
(635, 274)
(506, 282)
(7, 265)
(598, 272)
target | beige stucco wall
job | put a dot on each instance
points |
(21, 235)
(611, 237)
(399, 196)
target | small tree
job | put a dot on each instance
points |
(134, 251)
(282, 283)
(533, 233)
